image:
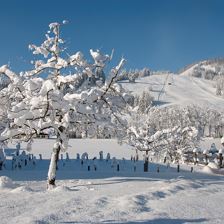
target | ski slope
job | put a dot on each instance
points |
(171, 89)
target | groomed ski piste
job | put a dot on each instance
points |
(104, 194)
(178, 89)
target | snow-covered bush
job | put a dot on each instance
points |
(6, 182)
(213, 165)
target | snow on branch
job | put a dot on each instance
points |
(11, 75)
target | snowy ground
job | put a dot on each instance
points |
(92, 146)
(157, 198)
(109, 196)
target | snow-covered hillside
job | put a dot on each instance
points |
(172, 89)
(207, 69)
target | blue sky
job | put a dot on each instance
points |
(159, 34)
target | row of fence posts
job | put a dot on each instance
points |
(115, 164)
(22, 160)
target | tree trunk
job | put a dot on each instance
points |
(146, 162)
(54, 158)
(220, 160)
(206, 159)
(53, 167)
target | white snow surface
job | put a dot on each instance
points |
(171, 89)
(166, 197)
(152, 199)
(91, 146)
(6, 182)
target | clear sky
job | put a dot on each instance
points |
(159, 34)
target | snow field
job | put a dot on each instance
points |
(108, 196)
(116, 200)
(91, 146)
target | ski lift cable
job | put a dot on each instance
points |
(163, 87)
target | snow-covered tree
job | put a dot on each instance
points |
(219, 85)
(57, 94)
(133, 74)
(144, 102)
(172, 141)
(4, 81)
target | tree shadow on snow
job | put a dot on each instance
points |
(72, 169)
(159, 103)
(163, 221)
(153, 221)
